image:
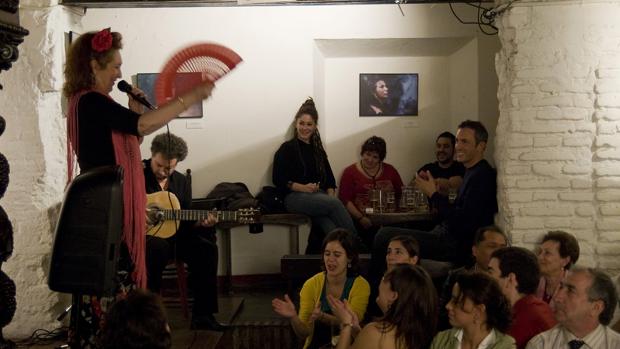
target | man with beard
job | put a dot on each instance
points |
(194, 242)
(448, 173)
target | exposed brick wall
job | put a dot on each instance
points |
(558, 147)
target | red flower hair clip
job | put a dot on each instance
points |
(102, 41)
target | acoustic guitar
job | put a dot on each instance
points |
(164, 214)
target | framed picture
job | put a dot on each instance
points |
(388, 94)
(146, 82)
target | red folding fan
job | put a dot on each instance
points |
(192, 66)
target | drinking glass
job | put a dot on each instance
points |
(390, 199)
(421, 203)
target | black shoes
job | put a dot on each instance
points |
(207, 322)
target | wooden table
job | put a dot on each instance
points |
(293, 221)
(391, 218)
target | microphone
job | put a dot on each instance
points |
(124, 86)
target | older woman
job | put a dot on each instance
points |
(368, 173)
(479, 314)
(408, 300)
(558, 252)
(102, 132)
(339, 280)
(302, 172)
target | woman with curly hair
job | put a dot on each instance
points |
(479, 314)
(101, 132)
(408, 300)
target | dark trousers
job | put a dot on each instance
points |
(198, 249)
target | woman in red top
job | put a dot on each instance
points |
(368, 173)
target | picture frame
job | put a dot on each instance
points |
(388, 94)
(146, 82)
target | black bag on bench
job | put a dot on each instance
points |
(271, 200)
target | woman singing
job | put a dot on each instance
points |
(102, 132)
(340, 280)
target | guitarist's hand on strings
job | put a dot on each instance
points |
(209, 222)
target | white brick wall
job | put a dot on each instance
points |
(34, 143)
(558, 137)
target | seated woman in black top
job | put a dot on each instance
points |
(302, 172)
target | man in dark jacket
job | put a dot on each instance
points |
(474, 207)
(194, 243)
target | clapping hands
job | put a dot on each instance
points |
(284, 307)
(426, 183)
(342, 310)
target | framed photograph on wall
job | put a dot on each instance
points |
(388, 94)
(146, 82)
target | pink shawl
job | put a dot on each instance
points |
(127, 155)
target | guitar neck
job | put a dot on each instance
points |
(198, 215)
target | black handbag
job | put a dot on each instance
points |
(271, 200)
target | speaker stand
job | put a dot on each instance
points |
(75, 327)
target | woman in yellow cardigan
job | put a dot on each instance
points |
(315, 321)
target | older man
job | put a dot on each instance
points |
(517, 273)
(583, 307)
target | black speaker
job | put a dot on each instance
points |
(88, 234)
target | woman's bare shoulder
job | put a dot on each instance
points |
(375, 335)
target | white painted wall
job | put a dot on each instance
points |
(252, 108)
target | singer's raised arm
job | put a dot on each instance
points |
(153, 120)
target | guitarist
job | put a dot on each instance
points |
(194, 243)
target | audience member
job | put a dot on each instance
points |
(583, 306)
(475, 205)
(136, 322)
(402, 249)
(339, 279)
(448, 173)
(479, 314)
(409, 304)
(516, 271)
(194, 243)
(616, 319)
(558, 252)
(369, 173)
(486, 241)
(302, 173)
